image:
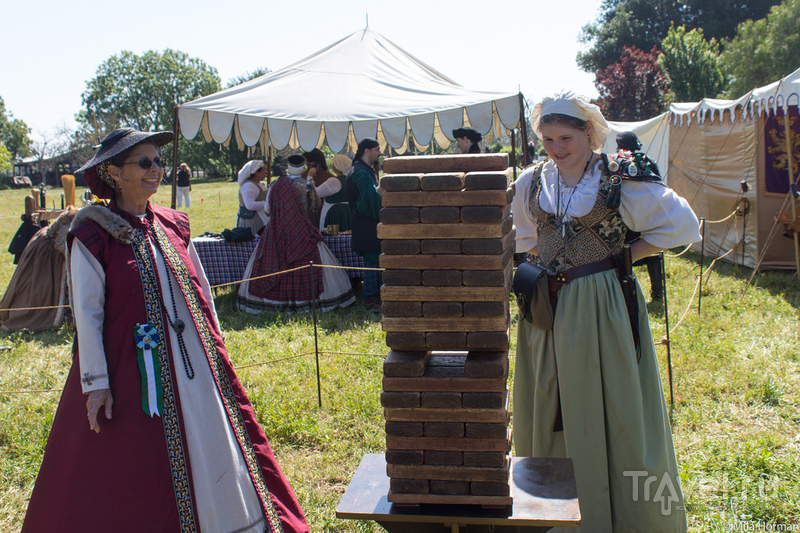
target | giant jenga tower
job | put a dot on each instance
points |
(447, 243)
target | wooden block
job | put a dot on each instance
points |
(488, 180)
(456, 325)
(484, 309)
(439, 246)
(391, 399)
(402, 277)
(484, 430)
(445, 163)
(440, 400)
(401, 247)
(404, 428)
(489, 278)
(443, 231)
(486, 364)
(441, 278)
(406, 340)
(451, 198)
(441, 309)
(443, 294)
(446, 340)
(400, 363)
(400, 182)
(472, 400)
(405, 457)
(442, 181)
(508, 224)
(433, 457)
(443, 429)
(486, 459)
(486, 340)
(438, 215)
(459, 415)
(438, 486)
(485, 488)
(400, 215)
(451, 473)
(416, 486)
(504, 245)
(484, 214)
(402, 309)
(446, 262)
(445, 371)
(446, 444)
(450, 499)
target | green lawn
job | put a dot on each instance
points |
(736, 380)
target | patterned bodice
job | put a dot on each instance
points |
(593, 237)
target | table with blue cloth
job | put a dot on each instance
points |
(225, 262)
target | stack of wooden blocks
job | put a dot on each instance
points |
(447, 242)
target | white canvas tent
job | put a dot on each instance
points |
(361, 86)
(707, 149)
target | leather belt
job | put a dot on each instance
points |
(560, 278)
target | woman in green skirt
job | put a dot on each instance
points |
(588, 388)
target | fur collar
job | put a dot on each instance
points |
(112, 223)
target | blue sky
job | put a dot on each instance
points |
(51, 48)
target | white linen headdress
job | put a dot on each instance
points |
(570, 104)
(250, 168)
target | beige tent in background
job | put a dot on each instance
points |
(709, 149)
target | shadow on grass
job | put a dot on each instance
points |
(231, 318)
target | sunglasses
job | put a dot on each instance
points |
(146, 162)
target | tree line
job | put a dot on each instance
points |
(647, 54)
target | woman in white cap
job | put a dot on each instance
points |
(586, 385)
(252, 212)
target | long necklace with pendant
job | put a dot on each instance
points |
(561, 215)
(177, 325)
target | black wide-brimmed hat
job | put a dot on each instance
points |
(113, 144)
(470, 133)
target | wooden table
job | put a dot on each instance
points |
(543, 490)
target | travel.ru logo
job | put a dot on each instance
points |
(665, 491)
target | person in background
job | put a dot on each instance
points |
(627, 140)
(587, 386)
(290, 243)
(335, 209)
(253, 211)
(317, 171)
(184, 185)
(467, 140)
(364, 199)
(154, 431)
(296, 170)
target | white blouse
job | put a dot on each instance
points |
(664, 219)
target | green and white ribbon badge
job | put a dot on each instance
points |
(147, 338)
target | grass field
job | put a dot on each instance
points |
(736, 372)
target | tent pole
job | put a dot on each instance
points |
(792, 188)
(702, 256)
(514, 153)
(174, 157)
(524, 131)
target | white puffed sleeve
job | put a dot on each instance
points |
(331, 186)
(250, 192)
(88, 303)
(664, 219)
(523, 219)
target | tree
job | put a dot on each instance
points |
(645, 23)
(247, 76)
(5, 159)
(14, 134)
(142, 91)
(633, 88)
(690, 65)
(763, 50)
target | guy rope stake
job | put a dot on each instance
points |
(314, 315)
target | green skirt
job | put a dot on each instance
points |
(615, 424)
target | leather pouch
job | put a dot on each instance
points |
(530, 286)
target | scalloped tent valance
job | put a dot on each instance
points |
(361, 86)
